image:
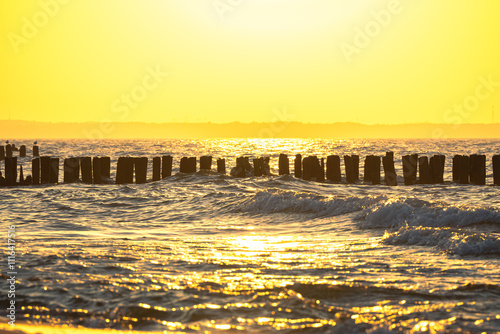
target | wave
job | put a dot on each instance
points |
(446, 239)
(281, 201)
(409, 212)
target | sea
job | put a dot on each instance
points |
(210, 253)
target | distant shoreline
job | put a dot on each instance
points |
(95, 130)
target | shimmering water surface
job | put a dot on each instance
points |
(207, 252)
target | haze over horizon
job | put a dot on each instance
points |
(371, 62)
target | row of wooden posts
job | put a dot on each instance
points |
(466, 169)
(8, 151)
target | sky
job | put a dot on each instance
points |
(311, 61)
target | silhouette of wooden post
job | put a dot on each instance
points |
(284, 165)
(350, 170)
(10, 171)
(188, 165)
(456, 167)
(35, 170)
(36, 151)
(86, 166)
(374, 169)
(298, 165)
(333, 173)
(437, 168)
(141, 170)
(367, 169)
(96, 170)
(355, 161)
(22, 151)
(221, 166)
(21, 176)
(463, 166)
(8, 150)
(478, 169)
(71, 170)
(183, 167)
(45, 169)
(2, 153)
(319, 169)
(192, 164)
(496, 170)
(206, 163)
(390, 176)
(258, 166)
(166, 166)
(124, 170)
(410, 168)
(424, 171)
(156, 169)
(54, 170)
(105, 167)
(307, 168)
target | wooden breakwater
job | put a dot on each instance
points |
(97, 170)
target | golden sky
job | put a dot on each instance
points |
(250, 60)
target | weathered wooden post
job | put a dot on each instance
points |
(258, 166)
(86, 166)
(192, 164)
(355, 161)
(206, 163)
(166, 166)
(478, 169)
(96, 170)
(22, 151)
(141, 170)
(35, 170)
(463, 166)
(266, 168)
(188, 165)
(221, 166)
(124, 170)
(45, 168)
(284, 165)
(183, 167)
(54, 170)
(156, 169)
(2, 153)
(21, 176)
(410, 168)
(390, 177)
(456, 167)
(350, 174)
(307, 168)
(71, 170)
(105, 167)
(333, 173)
(298, 165)
(10, 171)
(424, 171)
(372, 169)
(8, 150)
(36, 151)
(496, 170)
(437, 168)
(320, 169)
(367, 169)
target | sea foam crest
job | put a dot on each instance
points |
(446, 239)
(399, 213)
(280, 201)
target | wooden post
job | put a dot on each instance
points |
(478, 169)
(390, 177)
(333, 173)
(206, 163)
(8, 150)
(166, 166)
(10, 171)
(319, 169)
(106, 167)
(124, 170)
(266, 169)
(410, 168)
(424, 171)
(372, 169)
(456, 168)
(86, 167)
(258, 167)
(71, 170)
(367, 169)
(183, 167)
(496, 170)
(463, 166)
(156, 169)
(2, 153)
(35, 170)
(192, 164)
(36, 151)
(437, 168)
(45, 168)
(141, 170)
(96, 170)
(298, 165)
(350, 173)
(355, 162)
(307, 168)
(54, 170)
(221, 166)
(188, 165)
(22, 151)
(21, 176)
(284, 165)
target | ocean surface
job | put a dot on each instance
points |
(211, 253)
